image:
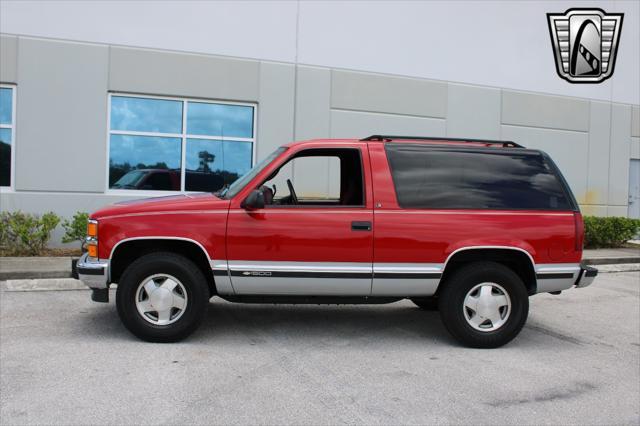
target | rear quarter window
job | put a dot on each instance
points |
(455, 178)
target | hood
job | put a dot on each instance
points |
(171, 203)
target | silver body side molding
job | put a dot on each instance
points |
(238, 277)
(556, 276)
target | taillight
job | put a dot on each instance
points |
(579, 230)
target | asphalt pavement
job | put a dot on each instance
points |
(67, 360)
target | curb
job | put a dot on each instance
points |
(618, 267)
(34, 275)
(612, 260)
(54, 284)
(17, 268)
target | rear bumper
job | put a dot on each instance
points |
(586, 276)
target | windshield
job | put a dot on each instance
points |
(239, 184)
(129, 180)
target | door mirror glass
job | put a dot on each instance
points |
(254, 201)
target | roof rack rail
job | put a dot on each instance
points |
(383, 138)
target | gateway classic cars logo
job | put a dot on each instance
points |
(585, 43)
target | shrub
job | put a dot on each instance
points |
(609, 231)
(76, 228)
(4, 230)
(24, 233)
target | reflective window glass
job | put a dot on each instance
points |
(208, 119)
(146, 115)
(211, 164)
(6, 105)
(5, 157)
(144, 162)
(148, 136)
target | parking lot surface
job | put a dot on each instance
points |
(67, 360)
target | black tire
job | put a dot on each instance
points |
(453, 293)
(426, 303)
(166, 263)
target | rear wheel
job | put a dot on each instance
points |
(162, 297)
(484, 305)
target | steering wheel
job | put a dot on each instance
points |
(292, 192)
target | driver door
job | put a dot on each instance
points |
(323, 244)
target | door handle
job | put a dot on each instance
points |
(361, 226)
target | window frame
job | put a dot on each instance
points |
(12, 126)
(183, 136)
(311, 206)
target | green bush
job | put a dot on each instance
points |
(76, 228)
(609, 231)
(24, 233)
(4, 230)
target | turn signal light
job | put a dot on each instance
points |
(92, 229)
(92, 249)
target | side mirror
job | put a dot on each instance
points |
(254, 201)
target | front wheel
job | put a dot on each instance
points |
(484, 305)
(162, 297)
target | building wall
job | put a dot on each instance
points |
(62, 101)
(490, 42)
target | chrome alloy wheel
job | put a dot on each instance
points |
(161, 299)
(487, 307)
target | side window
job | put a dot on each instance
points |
(318, 177)
(436, 178)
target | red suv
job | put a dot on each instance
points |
(471, 228)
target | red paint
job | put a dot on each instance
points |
(315, 234)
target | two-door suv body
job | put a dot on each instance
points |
(469, 227)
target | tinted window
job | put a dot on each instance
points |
(148, 134)
(128, 154)
(6, 104)
(6, 133)
(211, 164)
(5, 157)
(210, 119)
(146, 115)
(160, 181)
(427, 177)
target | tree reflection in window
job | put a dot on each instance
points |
(215, 163)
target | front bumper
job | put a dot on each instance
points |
(586, 276)
(94, 273)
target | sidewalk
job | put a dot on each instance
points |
(23, 268)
